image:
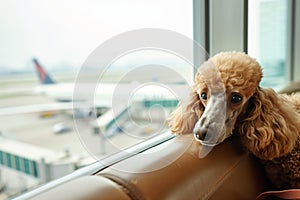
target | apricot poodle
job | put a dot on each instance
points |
(226, 99)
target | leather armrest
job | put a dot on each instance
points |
(227, 172)
(85, 188)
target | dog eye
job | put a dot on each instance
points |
(203, 96)
(236, 98)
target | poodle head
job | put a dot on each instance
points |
(222, 87)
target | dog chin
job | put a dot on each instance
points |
(207, 144)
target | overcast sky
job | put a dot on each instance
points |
(65, 32)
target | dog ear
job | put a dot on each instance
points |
(270, 126)
(185, 116)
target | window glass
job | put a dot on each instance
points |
(9, 160)
(5, 159)
(13, 162)
(267, 41)
(44, 45)
(18, 165)
(27, 166)
(35, 170)
(1, 158)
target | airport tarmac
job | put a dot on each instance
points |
(78, 139)
(34, 129)
(37, 128)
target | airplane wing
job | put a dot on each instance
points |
(35, 108)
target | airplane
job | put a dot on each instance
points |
(62, 93)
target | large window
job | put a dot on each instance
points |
(268, 40)
(61, 35)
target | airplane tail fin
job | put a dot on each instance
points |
(44, 77)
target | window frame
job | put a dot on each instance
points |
(295, 41)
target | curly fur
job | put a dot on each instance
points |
(267, 123)
(185, 116)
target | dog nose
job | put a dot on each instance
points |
(200, 133)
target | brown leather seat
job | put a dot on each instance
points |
(227, 172)
(85, 188)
